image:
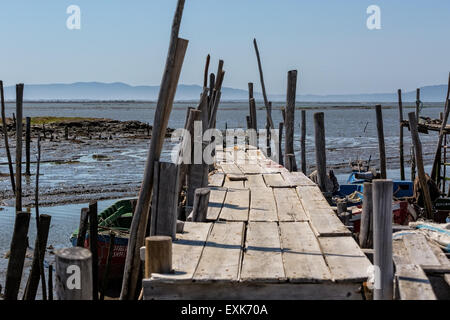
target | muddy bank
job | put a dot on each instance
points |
(82, 159)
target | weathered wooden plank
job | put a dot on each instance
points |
(216, 179)
(250, 168)
(233, 183)
(255, 181)
(302, 257)
(270, 166)
(262, 259)
(325, 223)
(310, 193)
(186, 252)
(297, 178)
(419, 250)
(216, 198)
(262, 205)
(345, 259)
(230, 168)
(159, 290)
(236, 205)
(413, 283)
(289, 207)
(221, 258)
(275, 181)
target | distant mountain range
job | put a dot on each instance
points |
(84, 91)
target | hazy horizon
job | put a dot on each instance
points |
(328, 42)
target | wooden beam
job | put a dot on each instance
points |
(19, 126)
(175, 58)
(290, 120)
(5, 136)
(402, 158)
(381, 144)
(321, 160)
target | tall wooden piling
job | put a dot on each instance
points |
(381, 144)
(280, 139)
(417, 104)
(366, 228)
(5, 136)
(290, 118)
(175, 58)
(164, 211)
(50, 283)
(382, 219)
(321, 160)
(108, 265)
(38, 258)
(402, 157)
(93, 245)
(73, 274)
(419, 163)
(303, 141)
(437, 157)
(27, 145)
(19, 132)
(17, 255)
(252, 106)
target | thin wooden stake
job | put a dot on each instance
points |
(402, 157)
(5, 135)
(261, 76)
(27, 145)
(303, 141)
(419, 163)
(366, 229)
(93, 238)
(381, 144)
(108, 265)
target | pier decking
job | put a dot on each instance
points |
(271, 235)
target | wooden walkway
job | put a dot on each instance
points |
(271, 235)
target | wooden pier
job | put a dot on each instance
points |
(270, 234)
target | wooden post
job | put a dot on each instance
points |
(382, 219)
(108, 265)
(175, 58)
(280, 139)
(38, 257)
(17, 255)
(5, 136)
(27, 145)
(321, 160)
(19, 109)
(200, 208)
(73, 274)
(413, 164)
(165, 200)
(402, 157)
(290, 119)
(66, 133)
(82, 229)
(253, 118)
(290, 161)
(261, 76)
(366, 228)
(158, 255)
(381, 145)
(93, 237)
(303, 141)
(417, 104)
(419, 163)
(50, 282)
(437, 157)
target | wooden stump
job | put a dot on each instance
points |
(366, 229)
(17, 255)
(201, 201)
(73, 274)
(158, 255)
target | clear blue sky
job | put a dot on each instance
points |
(326, 40)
